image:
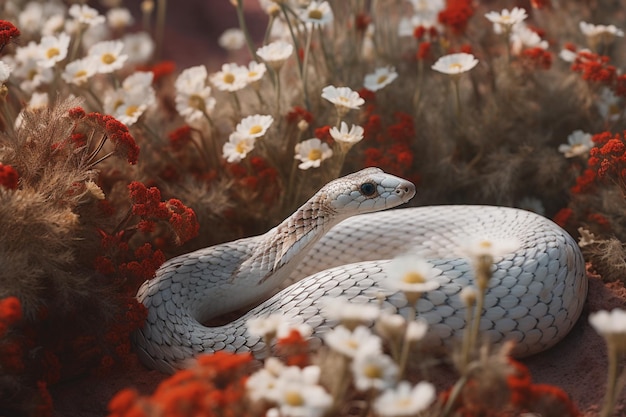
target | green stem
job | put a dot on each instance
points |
(244, 28)
(160, 27)
(305, 72)
(611, 384)
(406, 343)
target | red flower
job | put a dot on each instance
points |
(10, 310)
(562, 216)
(362, 21)
(180, 137)
(76, 113)
(620, 86)
(424, 51)
(323, 134)
(537, 58)
(456, 15)
(594, 67)
(9, 177)
(159, 70)
(294, 348)
(8, 32)
(183, 220)
(298, 114)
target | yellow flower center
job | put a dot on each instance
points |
(252, 74)
(413, 277)
(255, 129)
(196, 102)
(381, 79)
(485, 244)
(456, 66)
(130, 110)
(108, 58)
(80, 73)
(52, 52)
(294, 399)
(316, 14)
(241, 147)
(373, 372)
(315, 154)
(228, 78)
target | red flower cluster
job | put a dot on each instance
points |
(594, 67)
(9, 177)
(476, 399)
(214, 387)
(456, 15)
(8, 33)
(536, 58)
(159, 70)
(298, 114)
(10, 313)
(294, 349)
(147, 204)
(392, 152)
(259, 180)
(118, 133)
(180, 137)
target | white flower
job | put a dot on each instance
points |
(108, 56)
(380, 78)
(33, 75)
(119, 18)
(453, 64)
(262, 384)
(38, 101)
(405, 400)
(390, 326)
(350, 343)
(231, 77)
(53, 25)
(318, 13)
(287, 327)
(256, 71)
(342, 97)
(297, 393)
(85, 14)
(523, 37)
(590, 30)
(609, 105)
(30, 19)
(480, 247)
(138, 47)
(417, 329)
(611, 325)
(343, 135)
(232, 39)
(276, 53)
(237, 148)
(254, 126)
(568, 55)
(506, 19)
(312, 152)
(265, 327)
(193, 96)
(411, 275)
(578, 144)
(377, 371)
(79, 71)
(53, 49)
(344, 311)
(5, 72)
(428, 7)
(139, 81)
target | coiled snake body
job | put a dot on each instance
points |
(535, 296)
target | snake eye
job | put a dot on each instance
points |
(368, 189)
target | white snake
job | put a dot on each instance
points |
(535, 296)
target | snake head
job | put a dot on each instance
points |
(367, 190)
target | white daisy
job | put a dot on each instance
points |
(138, 82)
(411, 275)
(231, 77)
(265, 327)
(590, 30)
(191, 79)
(297, 393)
(312, 152)
(345, 136)
(193, 97)
(380, 78)
(373, 371)
(611, 325)
(479, 247)
(86, 15)
(454, 64)
(5, 72)
(119, 18)
(53, 25)
(256, 71)
(276, 53)
(236, 149)
(505, 19)
(609, 105)
(138, 46)
(578, 144)
(348, 313)
(31, 18)
(232, 39)
(317, 13)
(261, 385)
(32, 75)
(351, 343)
(53, 49)
(523, 37)
(254, 126)
(416, 329)
(342, 97)
(108, 56)
(79, 71)
(405, 400)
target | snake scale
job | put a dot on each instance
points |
(536, 294)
